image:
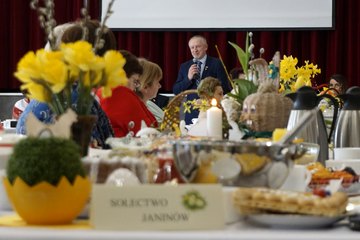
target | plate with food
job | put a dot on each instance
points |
(298, 221)
(321, 177)
(289, 209)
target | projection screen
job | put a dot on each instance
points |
(188, 15)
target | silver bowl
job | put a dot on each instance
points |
(247, 163)
(311, 153)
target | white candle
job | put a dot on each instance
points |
(214, 121)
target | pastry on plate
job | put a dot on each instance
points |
(260, 200)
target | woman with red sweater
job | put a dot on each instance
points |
(124, 108)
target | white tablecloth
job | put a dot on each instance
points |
(239, 230)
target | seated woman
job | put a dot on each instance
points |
(149, 87)
(208, 89)
(339, 83)
(124, 108)
(102, 129)
(337, 86)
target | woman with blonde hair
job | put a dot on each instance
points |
(210, 88)
(149, 85)
(125, 109)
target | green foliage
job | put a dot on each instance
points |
(242, 55)
(243, 89)
(45, 159)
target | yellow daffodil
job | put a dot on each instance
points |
(54, 70)
(37, 91)
(49, 76)
(288, 67)
(115, 74)
(28, 68)
(293, 77)
(282, 88)
(300, 82)
(42, 70)
(90, 79)
(79, 56)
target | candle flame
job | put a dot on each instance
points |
(213, 102)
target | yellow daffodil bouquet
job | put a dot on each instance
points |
(67, 78)
(293, 77)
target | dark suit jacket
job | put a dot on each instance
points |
(213, 68)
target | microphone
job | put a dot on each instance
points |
(196, 75)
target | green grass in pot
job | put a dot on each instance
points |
(45, 159)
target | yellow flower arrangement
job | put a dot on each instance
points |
(293, 77)
(196, 104)
(67, 78)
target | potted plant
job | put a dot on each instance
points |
(46, 182)
(68, 76)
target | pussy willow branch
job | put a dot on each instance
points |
(46, 19)
(223, 64)
(86, 17)
(99, 42)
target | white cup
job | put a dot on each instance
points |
(346, 153)
(298, 179)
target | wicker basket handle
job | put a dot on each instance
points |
(172, 115)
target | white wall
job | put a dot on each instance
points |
(220, 14)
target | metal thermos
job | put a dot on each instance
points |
(347, 130)
(306, 99)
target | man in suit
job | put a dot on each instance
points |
(196, 69)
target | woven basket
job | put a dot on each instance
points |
(172, 111)
(266, 109)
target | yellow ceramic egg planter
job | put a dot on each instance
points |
(45, 204)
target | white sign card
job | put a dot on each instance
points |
(157, 207)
